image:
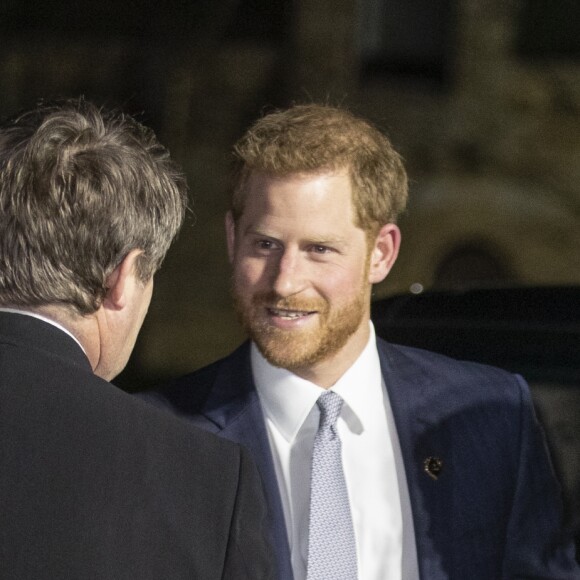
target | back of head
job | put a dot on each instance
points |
(80, 187)
(318, 138)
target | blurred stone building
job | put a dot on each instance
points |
(482, 98)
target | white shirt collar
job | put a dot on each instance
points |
(44, 319)
(288, 399)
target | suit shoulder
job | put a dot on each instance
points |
(451, 374)
(422, 357)
(188, 394)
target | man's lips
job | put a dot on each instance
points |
(288, 314)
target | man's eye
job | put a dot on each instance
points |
(264, 244)
(320, 249)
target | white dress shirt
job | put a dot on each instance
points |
(372, 462)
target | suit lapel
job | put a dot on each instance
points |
(234, 407)
(423, 444)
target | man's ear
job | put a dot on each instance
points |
(121, 280)
(384, 252)
(230, 235)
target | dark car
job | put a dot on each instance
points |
(531, 331)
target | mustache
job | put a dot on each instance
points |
(271, 299)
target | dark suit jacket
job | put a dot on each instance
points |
(95, 484)
(494, 511)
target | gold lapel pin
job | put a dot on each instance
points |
(432, 466)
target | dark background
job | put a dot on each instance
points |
(482, 99)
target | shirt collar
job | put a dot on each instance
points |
(44, 319)
(288, 399)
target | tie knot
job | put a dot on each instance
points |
(329, 404)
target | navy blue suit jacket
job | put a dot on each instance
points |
(494, 511)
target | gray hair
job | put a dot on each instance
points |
(80, 187)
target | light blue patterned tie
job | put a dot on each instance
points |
(331, 542)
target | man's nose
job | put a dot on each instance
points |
(290, 274)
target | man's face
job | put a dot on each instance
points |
(301, 270)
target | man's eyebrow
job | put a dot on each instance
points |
(250, 230)
(326, 240)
